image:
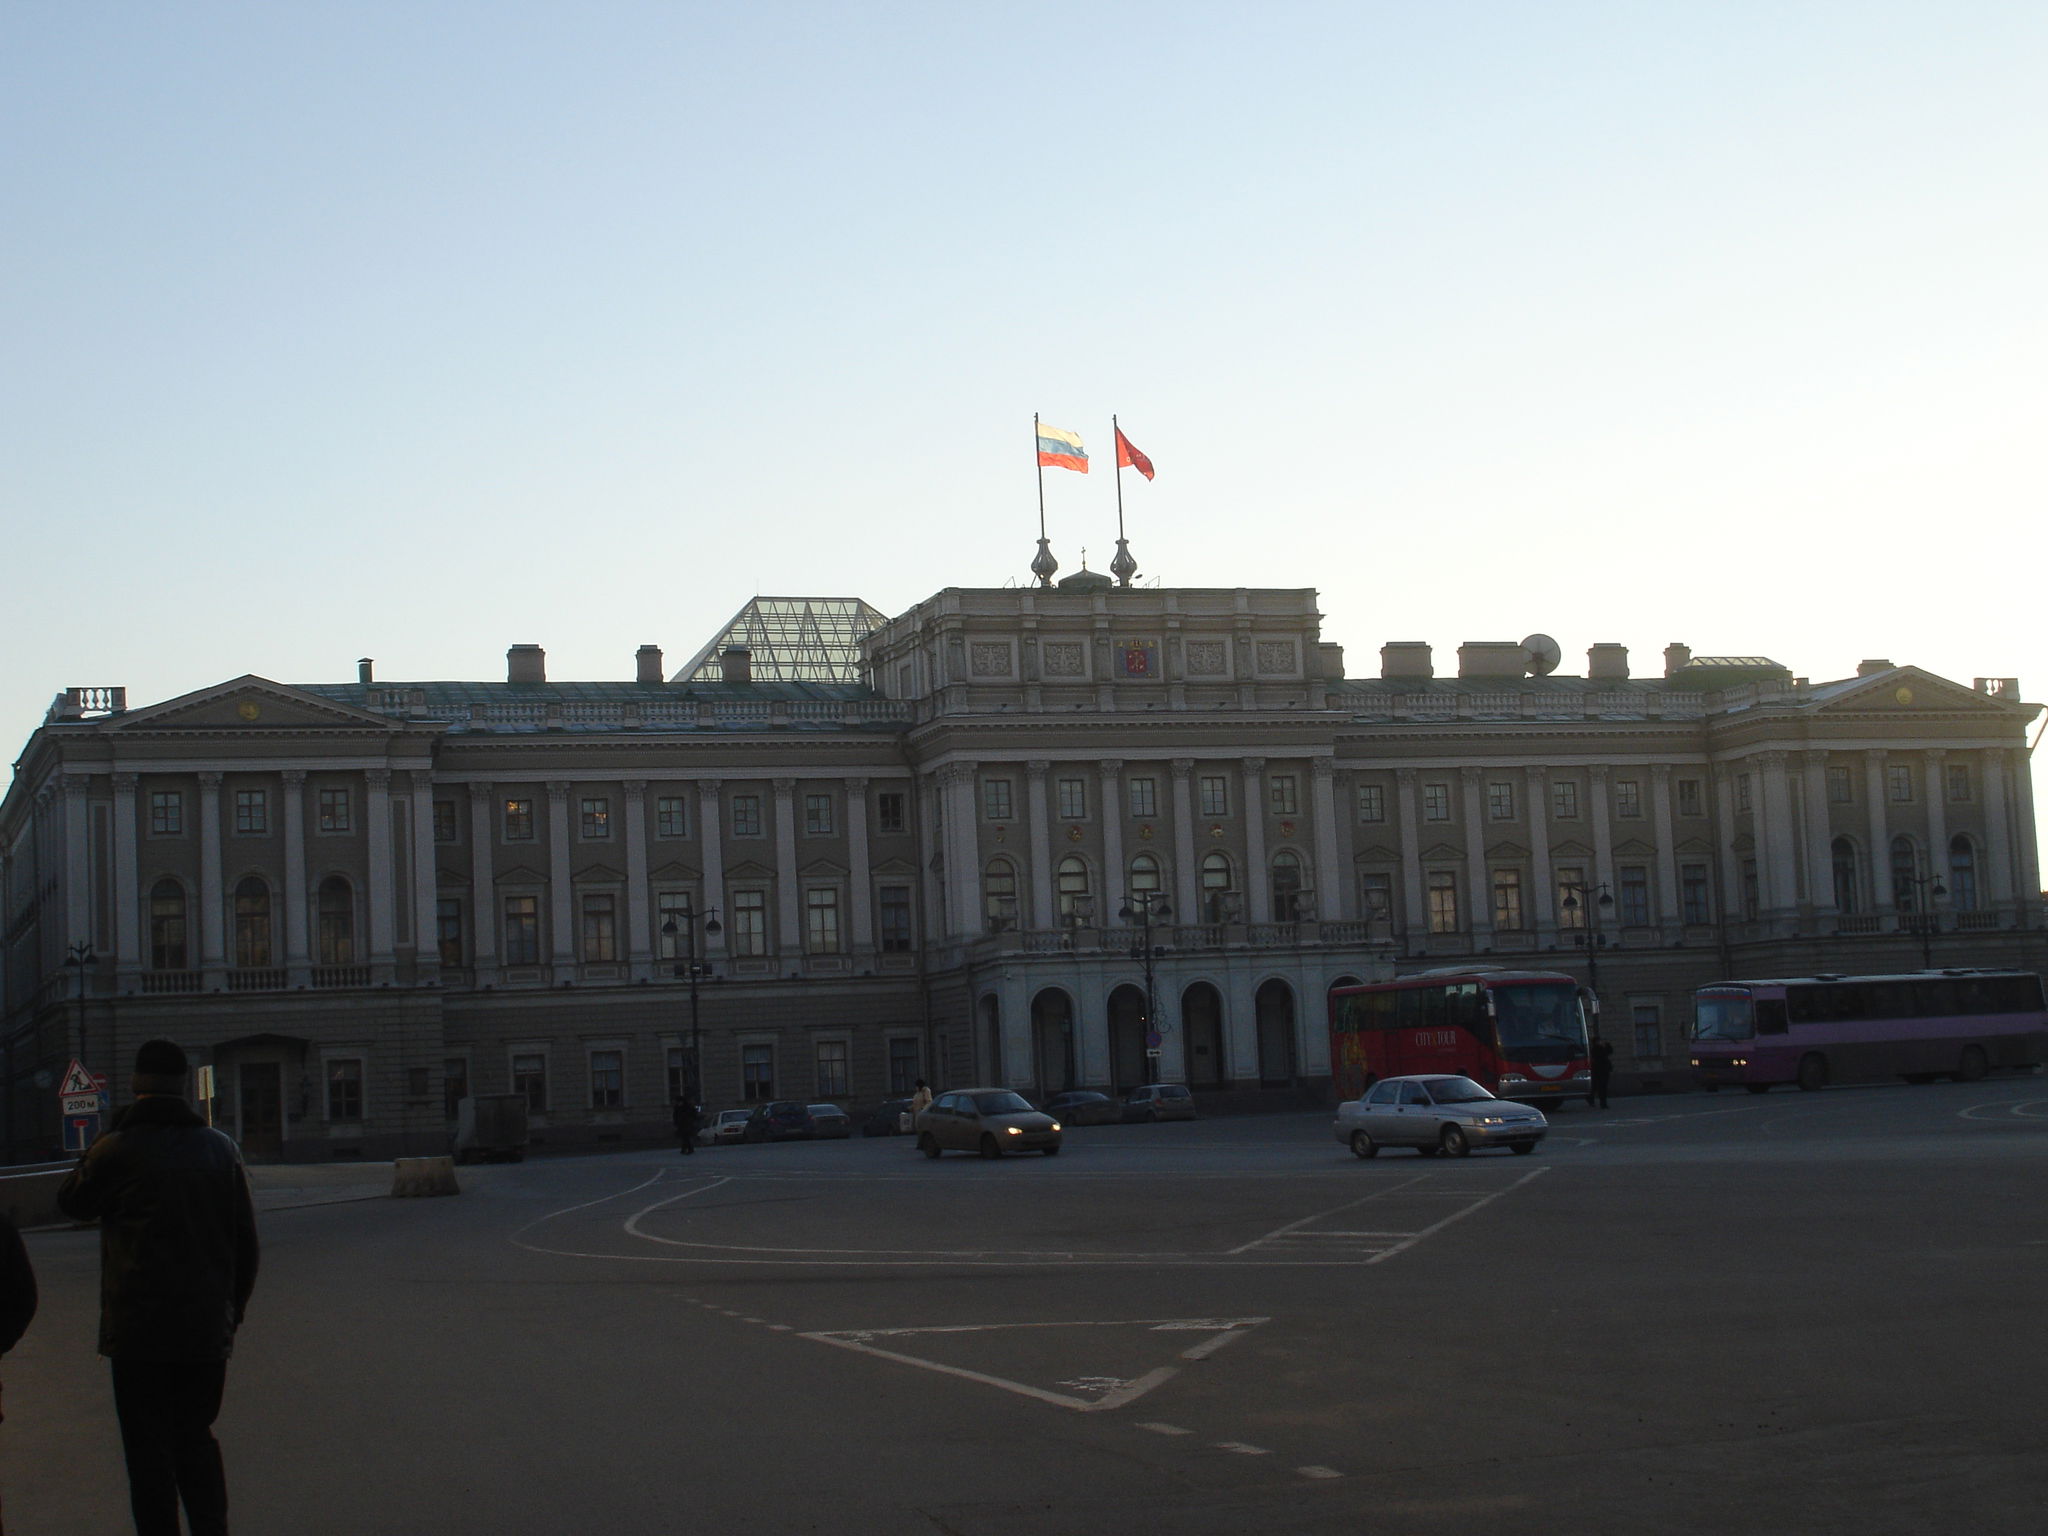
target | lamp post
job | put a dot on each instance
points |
(1141, 907)
(1589, 938)
(686, 920)
(1921, 888)
(78, 957)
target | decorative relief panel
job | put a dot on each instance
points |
(1205, 658)
(1063, 658)
(1276, 656)
(990, 659)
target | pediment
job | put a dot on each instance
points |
(824, 869)
(518, 874)
(1570, 848)
(1442, 853)
(1506, 851)
(1634, 848)
(1377, 853)
(748, 869)
(599, 874)
(900, 868)
(1695, 845)
(675, 869)
(1907, 691)
(452, 877)
(250, 703)
(1744, 843)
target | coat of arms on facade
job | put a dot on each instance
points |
(1137, 658)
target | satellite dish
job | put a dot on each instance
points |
(1541, 654)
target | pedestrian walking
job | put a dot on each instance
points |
(920, 1098)
(1603, 1069)
(177, 1264)
(686, 1121)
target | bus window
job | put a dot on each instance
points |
(1409, 1013)
(1433, 1009)
(1386, 1009)
(1890, 1000)
(1770, 1016)
(1806, 1005)
(1725, 1017)
(1467, 1010)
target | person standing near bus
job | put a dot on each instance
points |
(1603, 1069)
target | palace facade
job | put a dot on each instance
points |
(840, 851)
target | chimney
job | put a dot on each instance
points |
(1607, 661)
(1406, 659)
(736, 664)
(1872, 667)
(526, 664)
(1676, 656)
(363, 666)
(1492, 658)
(647, 664)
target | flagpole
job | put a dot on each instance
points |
(1042, 564)
(1125, 565)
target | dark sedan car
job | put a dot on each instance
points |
(891, 1117)
(779, 1120)
(1081, 1107)
(829, 1121)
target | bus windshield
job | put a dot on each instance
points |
(1541, 1022)
(1726, 1017)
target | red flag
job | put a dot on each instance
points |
(1126, 454)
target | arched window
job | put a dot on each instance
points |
(337, 918)
(1286, 886)
(1075, 902)
(1217, 887)
(1847, 886)
(252, 923)
(1144, 877)
(167, 926)
(999, 895)
(1905, 875)
(1962, 873)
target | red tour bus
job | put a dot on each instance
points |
(1521, 1034)
(1813, 1030)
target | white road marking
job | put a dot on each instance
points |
(1166, 1429)
(2023, 1109)
(1319, 1215)
(1375, 1247)
(1241, 1448)
(1318, 1472)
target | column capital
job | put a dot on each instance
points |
(1110, 767)
(1936, 754)
(482, 789)
(1323, 767)
(1772, 761)
(1182, 767)
(1597, 772)
(1660, 773)
(709, 788)
(379, 778)
(420, 778)
(1469, 773)
(636, 789)
(294, 778)
(956, 773)
(1038, 767)
(783, 786)
(1252, 765)
(125, 783)
(1877, 754)
(75, 783)
(858, 786)
(558, 791)
(1405, 777)
(210, 779)
(1538, 774)
(1816, 757)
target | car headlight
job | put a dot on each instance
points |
(1493, 1119)
(1014, 1130)
(1055, 1125)
(1578, 1075)
(1513, 1077)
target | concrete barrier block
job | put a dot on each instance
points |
(424, 1176)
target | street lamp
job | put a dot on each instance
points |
(1589, 938)
(685, 920)
(1920, 888)
(1142, 907)
(78, 958)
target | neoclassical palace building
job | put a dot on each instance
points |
(839, 851)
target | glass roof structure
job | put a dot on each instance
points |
(793, 640)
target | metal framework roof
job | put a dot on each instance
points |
(793, 640)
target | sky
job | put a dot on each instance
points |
(416, 330)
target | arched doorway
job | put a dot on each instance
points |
(1129, 1066)
(1274, 1007)
(1201, 1022)
(992, 1037)
(1052, 1041)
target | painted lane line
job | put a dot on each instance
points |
(1166, 1429)
(587, 1204)
(1402, 1247)
(1318, 1472)
(1320, 1215)
(1241, 1449)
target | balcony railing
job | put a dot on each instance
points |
(163, 982)
(269, 978)
(341, 975)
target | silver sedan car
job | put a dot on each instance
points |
(1435, 1115)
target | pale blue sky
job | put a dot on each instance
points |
(414, 330)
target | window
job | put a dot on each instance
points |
(903, 1065)
(1635, 896)
(1144, 881)
(1287, 901)
(252, 923)
(1073, 798)
(1214, 792)
(1899, 781)
(522, 930)
(1443, 901)
(1742, 791)
(893, 914)
(345, 1088)
(832, 1076)
(999, 895)
(671, 816)
(1219, 904)
(1905, 875)
(818, 818)
(1649, 1031)
(1694, 894)
(1564, 799)
(1144, 795)
(1075, 902)
(608, 1079)
(1376, 897)
(1691, 798)
(600, 934)
(1628, 797)
(444, 821)
(1280, 789)
(1958, 781)
(1436, 802)
(995, 799)
(757, 1073)
(1962, 873)
(336, 921)
(821, 920)
(454, 1085)
(675, 908)
(1848, 885)
(166, 813)
(1507, 898)
(746, 815)
(1372, 802)
(1500, 802)
(530, 1079)
(1570, 878)
(749, 934)
(679, 1083)
(596, 818)
(167, 926)
(518, 821)
(334, 809)
(448, 928)
(252, 812)
(1841, 787)
(1752, 900)
(889, 811)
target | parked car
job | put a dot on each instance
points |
(1159, 1101)
(1081, 1107)
(1436, 1114)
(829, 1122)
(891, 1117)
(726, 1125)
(990, 1121)
(778, 1120)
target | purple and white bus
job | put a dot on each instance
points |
(1814, 1030)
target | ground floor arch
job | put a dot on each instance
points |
(1052, 1040)
(1201, 1022)
(1273, 1008)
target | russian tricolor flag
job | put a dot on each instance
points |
(1060, 450)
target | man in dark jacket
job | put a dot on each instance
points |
(687, 1119)
(177, 1263)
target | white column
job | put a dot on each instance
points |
(77, 860)
(1335, 899)
(298, 935)
(2027, 839)
(1880, 833)
(862, 897)
(1472, 808)
(710, 830)
(1998, 859)
(1730, 904)
(639, 918)
(789, 911)
(1937, 829)
(1543, 878)
(380, 897)
(1777, 841)
(426, 884)
(128, 895)
(1416, 922)
(1667, 849)
(561, 886)
(1258, 880)
(1820, 841)
(957, 787)
(483, 916)
(1116, 880)
(1039, 831)
(1603, 831)
(1187, 879)
(212, 902)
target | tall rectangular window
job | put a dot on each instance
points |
(1144, 795)
(903, 1065)
(1214, 792)
(1649, 1031)
(596, 818)
(818, 818)
(821, 920)
(893, 912)
(448, 928)
(1500, 801)
(1959, 781)
(600, 928)
(454, 1085)
(1841, 786)
(1372, 802)
(678, 1073)
(1742, 791)
(832, 1074)
(1690, 798)
(995, 799)
(1280, 788)
(166, 813)
(522, 930)
(1507, 898)
(444, 821)
(889, 811)
(345, 1088)
(749, 934)
(1436, 802)
(1443, 901)
(1628, 797)
(518, 821)
(1899, 776)
(1564, 799)
(1571, 901)
(530, 1080)
(1073, 799)
(607, 1079)
(1376, 897)
(757, 1073)
(672, 816)
(672, 926)
(1751, 895)
(746, 815)
(1694, 893)
(252, 812)
(334, 809)
(1635, 896)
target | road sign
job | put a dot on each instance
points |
(1152, 1050)
(78, 1080)
(84, 1104)
(79, 1131)
(1154, 1039)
